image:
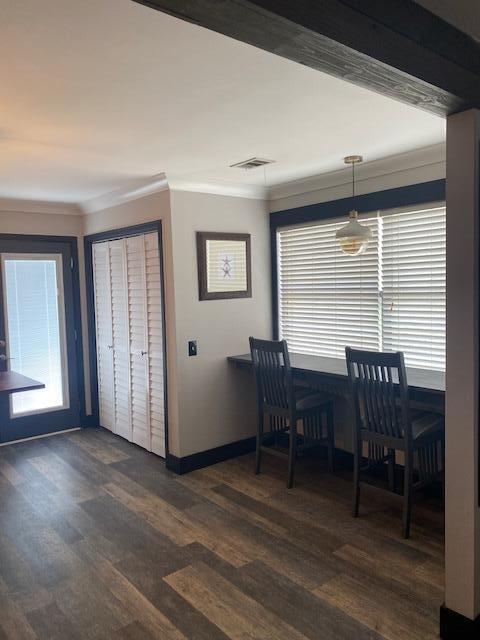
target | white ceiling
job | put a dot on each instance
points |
(462, 14)
(97, 93)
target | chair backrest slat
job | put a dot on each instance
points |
(379, 387)
(273, 373)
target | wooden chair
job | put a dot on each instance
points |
(281, 406)
(385, 420)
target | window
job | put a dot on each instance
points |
(413, 277)
(33, 288)
(390, 298)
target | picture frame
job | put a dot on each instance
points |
(224, 265)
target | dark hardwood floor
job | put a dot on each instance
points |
(98, 540)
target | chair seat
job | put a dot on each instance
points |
(311, 401)
(303, 392)
(426, 424)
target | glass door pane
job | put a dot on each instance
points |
(34, 313)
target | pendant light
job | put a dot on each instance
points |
(353, 238)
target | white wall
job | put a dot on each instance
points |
(210, 403)
(462, 14)
(462, 515)
(216, 401)
(51, 224)
(155, 206)
(406, 169)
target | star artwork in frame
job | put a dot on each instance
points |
(227, 266)
(224, 269)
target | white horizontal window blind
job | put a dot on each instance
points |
(414, 253)
(35, 330)
(326, 299)
(390, 298)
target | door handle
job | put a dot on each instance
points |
(110, 346)
(4, 358)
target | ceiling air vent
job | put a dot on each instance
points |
(252, 163)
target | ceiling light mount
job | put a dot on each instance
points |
(353, 159)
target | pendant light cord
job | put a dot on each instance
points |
(353, 182)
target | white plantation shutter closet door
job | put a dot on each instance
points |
(128, 307)
(137, 318)
(121, 370)
(155, 344)
(103, 325)
(327, 299)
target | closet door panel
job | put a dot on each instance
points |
(154, 295)
(137, 317)
(129, 326)
(103, 325)
(121, 370)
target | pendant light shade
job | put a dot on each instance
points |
(354, 237)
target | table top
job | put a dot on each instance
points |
(12, 382)
(421, 379)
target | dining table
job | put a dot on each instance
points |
(13, 382)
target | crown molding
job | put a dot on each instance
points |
(426, 164)
(134, 190)
(10, 205)
(254, 192)
(432, 158)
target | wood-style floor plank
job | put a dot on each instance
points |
(98, 540)
(238, 615)
(386, 613)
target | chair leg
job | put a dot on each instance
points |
(258, 451)
(357, 457)
(407, 497)
(330, 439)
(391, 470)
(292, 454)
(442, 446)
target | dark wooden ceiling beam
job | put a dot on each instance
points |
(393, 47)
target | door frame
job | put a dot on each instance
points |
(72, 241)
(103, 236)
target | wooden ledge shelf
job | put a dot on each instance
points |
(13, 382)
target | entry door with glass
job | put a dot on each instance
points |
(37, 326)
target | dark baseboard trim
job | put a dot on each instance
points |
(454, 625)
(344, 458)
(88, 421)
(211, 456)
(232, 450)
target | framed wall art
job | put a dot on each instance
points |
(224, 265)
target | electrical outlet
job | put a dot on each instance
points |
(192, 348)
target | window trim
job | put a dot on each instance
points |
(400, 197)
